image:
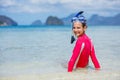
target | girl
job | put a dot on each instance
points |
(83, 47)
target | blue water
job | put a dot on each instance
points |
(46, 49)
(25, 43)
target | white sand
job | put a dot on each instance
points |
(76, 75)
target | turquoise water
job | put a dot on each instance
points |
(46, 49)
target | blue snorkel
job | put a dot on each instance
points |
(79, 13)
(78, 17)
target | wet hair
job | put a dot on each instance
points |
(84, 24)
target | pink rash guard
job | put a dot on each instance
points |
(81, 52)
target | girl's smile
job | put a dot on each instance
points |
(78, 29)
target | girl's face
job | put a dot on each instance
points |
(78, 29)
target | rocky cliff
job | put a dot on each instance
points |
(96, 20)
(6, 21)
(101, 20)
(51, 20)
(37, 22)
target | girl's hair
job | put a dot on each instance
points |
(84, 24)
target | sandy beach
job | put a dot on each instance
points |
(75, 75)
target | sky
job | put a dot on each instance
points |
(24, 12)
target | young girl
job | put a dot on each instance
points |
(83, 47)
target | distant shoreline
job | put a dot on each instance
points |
(51, 25)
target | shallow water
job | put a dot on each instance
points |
(42, 53)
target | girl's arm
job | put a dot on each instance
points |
(94, 58)
(75, 54)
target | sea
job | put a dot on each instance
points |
(42, 53)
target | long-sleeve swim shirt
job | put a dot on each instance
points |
(81, 52)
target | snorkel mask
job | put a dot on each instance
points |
(78, 17)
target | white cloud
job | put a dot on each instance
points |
(40, 9)
(37, 6)
(7, 3)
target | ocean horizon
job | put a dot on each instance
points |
(42, 53)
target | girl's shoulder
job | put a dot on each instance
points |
(87, 37)
(84, 38)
